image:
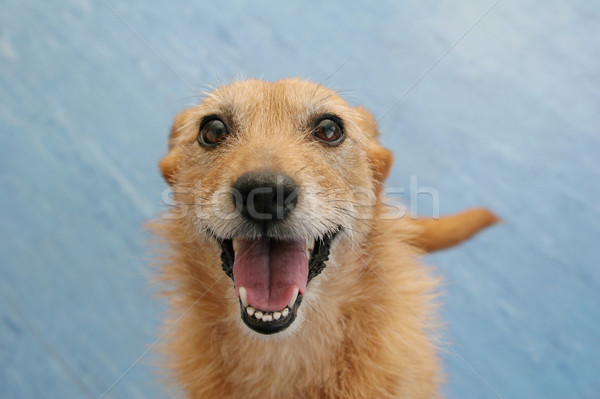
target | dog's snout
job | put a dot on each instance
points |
(265, 196)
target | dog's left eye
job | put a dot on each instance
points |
(329, 130)
(212, 132)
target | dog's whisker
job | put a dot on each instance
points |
(312, 307)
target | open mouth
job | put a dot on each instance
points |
(271, 276)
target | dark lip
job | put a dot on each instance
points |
(271, 327)
(316, 264)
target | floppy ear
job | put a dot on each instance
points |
(448, 231)
(380, 158)
(168, 165)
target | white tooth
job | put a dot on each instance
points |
(293, 300)
(285, 312)
(310, 245)
(267, 317)
(250, 310)
(258, 314)
(276, 315)
(235, 246)
(244, 296)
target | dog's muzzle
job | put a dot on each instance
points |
(270, 274)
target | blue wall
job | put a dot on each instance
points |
(496, 106)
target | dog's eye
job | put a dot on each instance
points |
(212, 132)
(329, 131)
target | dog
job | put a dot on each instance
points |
(285, 275)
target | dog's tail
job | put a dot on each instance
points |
(436, 234)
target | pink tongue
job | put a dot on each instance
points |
(269, 270)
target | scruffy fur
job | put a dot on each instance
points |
(363, 330)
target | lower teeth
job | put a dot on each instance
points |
(267, 316)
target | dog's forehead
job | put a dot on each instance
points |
(289, 99)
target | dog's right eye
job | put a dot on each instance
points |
(212, 132)
(329, 130)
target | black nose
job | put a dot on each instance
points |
(265, 196)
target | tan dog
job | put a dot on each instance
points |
(285, 278)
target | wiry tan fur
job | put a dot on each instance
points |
(363, 330)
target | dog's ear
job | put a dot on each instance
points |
(380, 158)
(168, 165)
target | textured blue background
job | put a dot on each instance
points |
(508, 118)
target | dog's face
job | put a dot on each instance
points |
(279, 174)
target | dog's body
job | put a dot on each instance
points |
(364, 327)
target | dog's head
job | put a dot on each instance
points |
(278, 174)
